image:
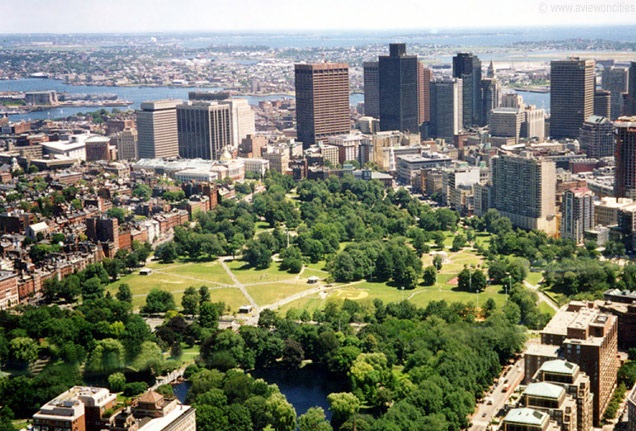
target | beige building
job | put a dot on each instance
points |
(525, 419)
(553, 400)
(606, 210)
(524, 190)
(506, 122)
(576, 384)
(157, 129)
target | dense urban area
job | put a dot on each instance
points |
(316, 237)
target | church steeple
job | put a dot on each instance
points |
(491, 70)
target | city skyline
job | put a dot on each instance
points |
(74, 16)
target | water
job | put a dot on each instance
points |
(137, 95)
(540, 100)
(304, 388)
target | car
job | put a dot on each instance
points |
(483, 415)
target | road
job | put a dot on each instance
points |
(512, 375)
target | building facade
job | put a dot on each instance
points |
(596, 137)
(371, 89)
(157, 129)
(322, 101)
(398, 73)
(446, 109)
(577, 214)
(467, 67)
(572, 85)
(204, 129)
(625, 157)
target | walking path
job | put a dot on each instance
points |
(238, 284)
(542, 296)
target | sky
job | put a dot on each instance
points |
(143, 16)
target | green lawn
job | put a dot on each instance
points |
(534, 278)
(266, 294)
(231, 296)
(545, 308)
(248, 275)
(204, 272)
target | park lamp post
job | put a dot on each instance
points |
(509, 286)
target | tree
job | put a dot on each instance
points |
(124, 293)
(190, 301)
(92, 289)
(117, 213)
(258, 255)
(458, 242)
(149, 358)
(113, 267)
(280, 413)
(209, 314)
(158, 301)
(343, 406)
(167, 252)
(23, 350)
(429, 275)
(438, 260)
(314, 420)
(107, 356)
(142, 191)
(471, 280)
(292, 260)
(204, 293)
(116, 382)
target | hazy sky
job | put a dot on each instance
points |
(81, 16)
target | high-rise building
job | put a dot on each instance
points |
(588, 338)
(630, 98)
(534, 123)
(575, 382)
(571, 96)
(524, 190)
(596, 137)
(322, 101)
(446, 108)
(157, 129)
(490, 95)
(506, 122)
(467, 67)
(399, 109)
(371, 89)
(424, 76)
(242, 119)
(614, 79)
(126, 144)
(602, 103)
(577, 213)
(205, 129)
(625, 158)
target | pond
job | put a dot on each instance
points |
(304, 388)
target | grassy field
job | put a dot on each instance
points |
(246, 275)
(265, 294)
(545, 308)
(534, 278)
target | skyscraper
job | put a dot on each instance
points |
(614, 79)
(602, 103)
(242, 118)
(424, 76)
(524, 189)
(571, 96)
(446, 108)
(597, 137)
(467, 67)
(371, 89)
(630, 100)
(205, 129)
(625, 158)
(577, 213)
(489, 98)
(157, 129)
(399, 90)
(322, 101)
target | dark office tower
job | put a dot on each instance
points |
(467, 67)
(571, 96)
(446, 109)
(371, 89)
(602, 106)
(205, 129)
(157, 129)
(490, 95)
(424, 75)
(597, 137)
(625, 158)
(398, 90)
(322, 101)
(630, 100)
(614, 80)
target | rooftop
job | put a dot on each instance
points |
(559, 366)
(544, 390)
(526, 416)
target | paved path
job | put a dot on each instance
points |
(238, 284)
(542, 296)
